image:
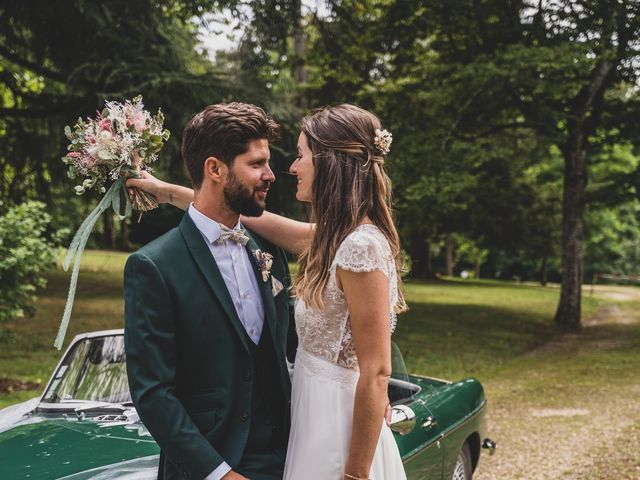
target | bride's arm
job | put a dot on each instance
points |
(289, 234)
(164, 192)
(367, 296)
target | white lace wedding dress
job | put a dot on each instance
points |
(326, 373)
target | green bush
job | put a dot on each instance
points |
(25, 255)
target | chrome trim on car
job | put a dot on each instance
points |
(429, 422)
(424, 377)
(489, 445)
(403, 419)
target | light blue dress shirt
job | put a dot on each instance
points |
(240, 277)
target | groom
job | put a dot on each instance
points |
(207, 313)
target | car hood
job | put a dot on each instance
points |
(42, 446)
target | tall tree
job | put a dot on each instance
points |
(554, 68)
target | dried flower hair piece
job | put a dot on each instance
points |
(382, 141)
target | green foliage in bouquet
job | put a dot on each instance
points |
(25, 255)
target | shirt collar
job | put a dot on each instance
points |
(209, 228)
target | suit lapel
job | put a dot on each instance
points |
(209, 268)
(265, 287)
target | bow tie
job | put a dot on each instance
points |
(233, 234)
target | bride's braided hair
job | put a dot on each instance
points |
(349, 184)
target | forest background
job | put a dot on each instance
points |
(516, 123)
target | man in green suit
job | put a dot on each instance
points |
(208, 313)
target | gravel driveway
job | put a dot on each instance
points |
(571, 409)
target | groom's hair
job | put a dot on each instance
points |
(224, 131)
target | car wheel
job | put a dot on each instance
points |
(462, 470)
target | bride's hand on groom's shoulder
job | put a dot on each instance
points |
(234, 476)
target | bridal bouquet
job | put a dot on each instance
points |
(115, 145)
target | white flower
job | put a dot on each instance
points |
(105, 136)
(382, 141)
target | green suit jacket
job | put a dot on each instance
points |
(188, 359)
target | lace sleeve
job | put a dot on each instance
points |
(363, 251)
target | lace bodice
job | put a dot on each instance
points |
(327, 333)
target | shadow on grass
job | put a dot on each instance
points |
(621, 336)
(454, 340)
(91, 285)
(459, 282)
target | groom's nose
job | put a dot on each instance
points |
(268, 175)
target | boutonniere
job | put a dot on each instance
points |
(264, 260)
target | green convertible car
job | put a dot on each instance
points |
(84, 426)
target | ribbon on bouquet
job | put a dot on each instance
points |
(113, 198)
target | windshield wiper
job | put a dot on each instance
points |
(101, 407)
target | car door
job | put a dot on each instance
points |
(421, 448)
(414, 425)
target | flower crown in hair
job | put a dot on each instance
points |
(382, 141)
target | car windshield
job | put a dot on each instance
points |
(93, 370)
(398, 368)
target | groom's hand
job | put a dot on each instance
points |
(234, 476)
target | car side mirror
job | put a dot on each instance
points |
(403, 419)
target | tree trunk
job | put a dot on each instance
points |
(124, 236)
(476, 271)
(582, 121)
(544, 270)
(419, 256)
(430, 272)
(449, 254)
(108, 238)
(569, 307)
(300, 73)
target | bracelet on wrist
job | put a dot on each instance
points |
(351, 477)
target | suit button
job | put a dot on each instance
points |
(244, 416)
(247, 375)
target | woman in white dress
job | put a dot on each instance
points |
(347, 298)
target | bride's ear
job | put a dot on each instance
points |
(215, 170)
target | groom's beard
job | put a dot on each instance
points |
(242, 200)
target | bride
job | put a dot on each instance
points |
(347, 296)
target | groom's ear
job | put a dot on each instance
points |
(215, 170)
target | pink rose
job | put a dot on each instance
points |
(139, 121)
(74, 154)
(87, 162)
(105, 124)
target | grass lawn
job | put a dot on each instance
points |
(457, 328)
(453, 329)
